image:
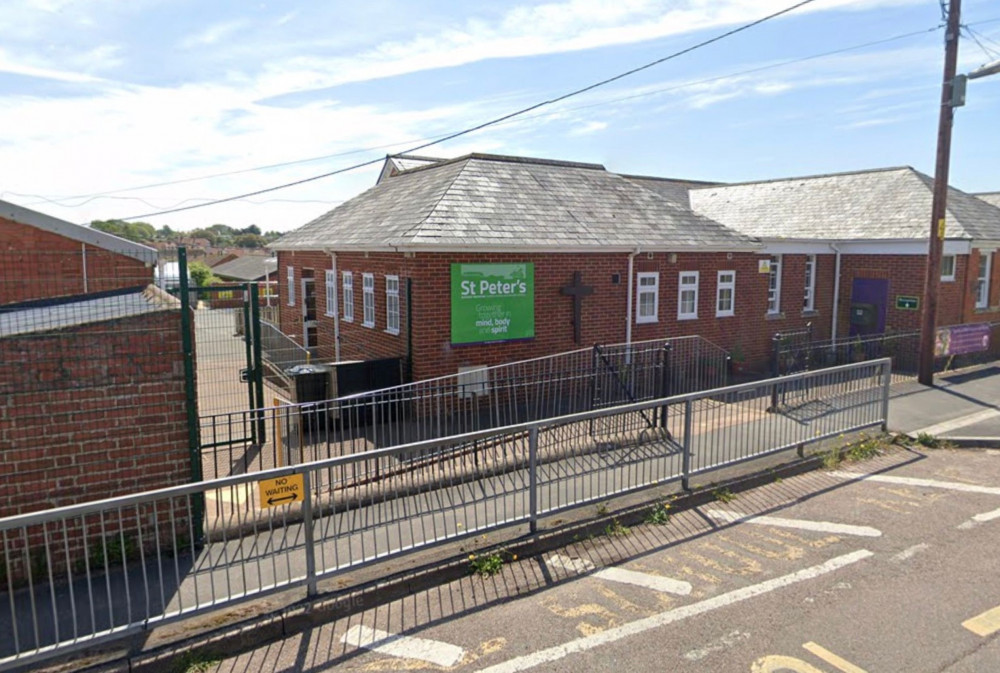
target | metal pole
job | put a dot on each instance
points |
(190, 396)
(533, 478)
(665, 382)
(886, 383)
(258, 361)
(932, 273)
(307, 531)
(686, 447)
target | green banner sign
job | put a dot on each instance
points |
(492, 302)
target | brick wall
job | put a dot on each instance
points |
(37, 264)
(92, 412)
(604, 312)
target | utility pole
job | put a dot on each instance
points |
(932, 278)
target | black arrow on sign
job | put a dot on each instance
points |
(292, 497)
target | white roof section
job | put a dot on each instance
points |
(77, 232)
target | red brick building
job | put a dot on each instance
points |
(43, 257)
(872, 226)
(383, 275)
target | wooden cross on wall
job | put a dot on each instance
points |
(578, 291)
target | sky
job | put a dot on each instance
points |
(119, 110)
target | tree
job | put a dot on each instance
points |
(202, 274)
(140, 232)
(249, 241)
(252, 229)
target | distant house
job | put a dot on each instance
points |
(43, 257)
(863, 236)
(247, 268)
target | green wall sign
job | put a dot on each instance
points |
(907, 303)
(492, 302)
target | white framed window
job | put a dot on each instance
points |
(725, 294)
(809, 299)
(368, 299)
(331, 293)
(291, 286)
(774, 286)
(392, 304)
(348, 296)
(687, 295)
(647, 298)
(983, 279)
(948, 267)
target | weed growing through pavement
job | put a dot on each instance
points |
(724, 495)
(489, 563)
(928, 441)
(602, 509)
(616, 529)
(865, 448)
(194, 662)
(658, 514)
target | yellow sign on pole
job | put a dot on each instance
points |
(941, 228)
(281, 490)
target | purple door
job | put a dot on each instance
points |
(869, 299)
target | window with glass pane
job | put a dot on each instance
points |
(392, 304)
(687, 295)
(348, 296)
(725, 293)
(331, 292)
(808, 303)
(774, 286)
(368, 299)
(648, 297)
(983, 280)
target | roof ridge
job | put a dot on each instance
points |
(417, 226)
(816, 176)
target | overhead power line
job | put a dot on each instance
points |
(494, 121)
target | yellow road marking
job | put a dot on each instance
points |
(832, 659)
(984, 624)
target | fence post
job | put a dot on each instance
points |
(533, 478)
(258, 361)
(686, 446)
(248, 348)
(886, 383)
(190, 394)
(809, 340)
(307, 530)
(665, 381)
(775, 369)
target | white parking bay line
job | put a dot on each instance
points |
(961, 422)
(912, 481)
(802, 524)
(623, 576)
(405, 647)
(617, 633)
(980, 518)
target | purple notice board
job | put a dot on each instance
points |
(961, 339)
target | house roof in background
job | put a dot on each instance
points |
(46, 316)
(247, 267)
(76, 232)
(992, 198)
(489, 202)
(881, 204)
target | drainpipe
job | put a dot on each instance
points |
(628, 309)
(336, 307)
(83, 248)
(836, 293)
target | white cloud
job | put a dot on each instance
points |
(213, 34)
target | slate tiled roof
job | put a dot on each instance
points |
(247, 267)
(670, 189)
(885, 204)
(485, 202)
(992, 198)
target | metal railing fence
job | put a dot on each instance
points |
(797, 352)
(76, 576)
(478, 399)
